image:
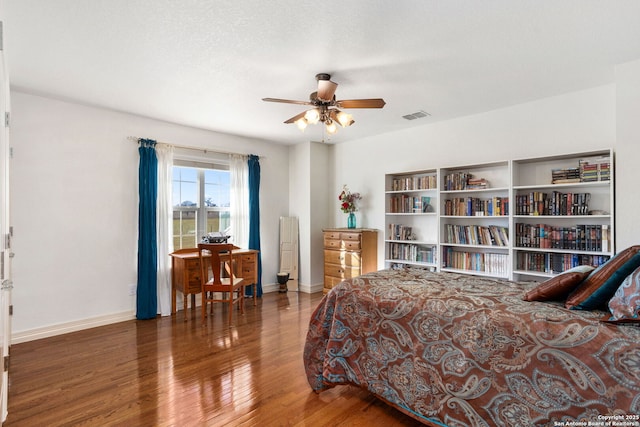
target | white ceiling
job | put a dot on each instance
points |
(208, 64)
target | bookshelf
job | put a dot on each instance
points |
(524, 219)
(411, 219)
(563, 213)
(474, 219)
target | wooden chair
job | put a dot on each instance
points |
(217, 277)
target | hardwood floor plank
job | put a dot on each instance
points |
(172, 372)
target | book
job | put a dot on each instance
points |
(605, 238)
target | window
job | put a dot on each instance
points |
(201, 197)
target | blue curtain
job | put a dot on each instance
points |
(147, 294)
(254, 214)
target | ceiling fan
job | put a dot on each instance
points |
(325, 106)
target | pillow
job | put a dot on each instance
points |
(625, 304)
(558, 287)
(596, 290)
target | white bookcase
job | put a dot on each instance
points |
(563, 224)
(474, 219)
(411, 219)
(504, 219)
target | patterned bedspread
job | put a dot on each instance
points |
(458, 350)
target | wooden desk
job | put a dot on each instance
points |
(185, 273)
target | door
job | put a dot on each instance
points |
(5, 235)
(289, 250)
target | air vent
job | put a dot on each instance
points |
(418, 115)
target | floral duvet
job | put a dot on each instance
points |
(459, 350)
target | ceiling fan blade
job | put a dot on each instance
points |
(361, 103)
(296, 117)
(287, 101)
(326, 90)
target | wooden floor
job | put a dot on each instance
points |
(172, 372)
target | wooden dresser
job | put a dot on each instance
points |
(348, 252)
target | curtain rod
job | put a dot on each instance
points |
(187, 147)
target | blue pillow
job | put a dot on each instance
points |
(600, 298)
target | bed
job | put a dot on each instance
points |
(459, 350)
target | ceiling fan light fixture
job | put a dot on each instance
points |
(325, 108)
(312, 116)
(345, 119)
(301, 123)
(331, 127)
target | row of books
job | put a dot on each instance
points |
(565, 176)
(555, 263)
(588, 170)
(472, 206)
(463, 181)
(492, 235)
(583, 237)
(410, 204)
(595, 169)
(493, 263)
(409, 183)
(403, 266)
(412, 252)
(400, 232)
(554, 203)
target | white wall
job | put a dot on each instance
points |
(300, 205)
(309, 172)
(74, 209)
(578, 121)
(320, 218)
(627, 154)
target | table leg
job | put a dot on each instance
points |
(173, 287)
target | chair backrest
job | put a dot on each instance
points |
(211, 258)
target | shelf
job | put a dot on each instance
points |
(412, 242)
(417, 263)
(422, 190)
(534, 273)
(564, 186)
(474, 272)
(561, 251)
(477, 190)
(412, 213)
(475, 216)
(559, 216)
(463, 245)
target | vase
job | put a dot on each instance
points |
(351, 220)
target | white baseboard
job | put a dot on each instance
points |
(311, 289)
(63, 328)
(78, 325)
(272, 287)
(302, 287)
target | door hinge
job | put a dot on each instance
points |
(6, 363)
(7, 119)
(7, 240)
(11, 310)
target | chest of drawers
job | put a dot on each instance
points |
(348, 252)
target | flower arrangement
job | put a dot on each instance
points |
(348, 200)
